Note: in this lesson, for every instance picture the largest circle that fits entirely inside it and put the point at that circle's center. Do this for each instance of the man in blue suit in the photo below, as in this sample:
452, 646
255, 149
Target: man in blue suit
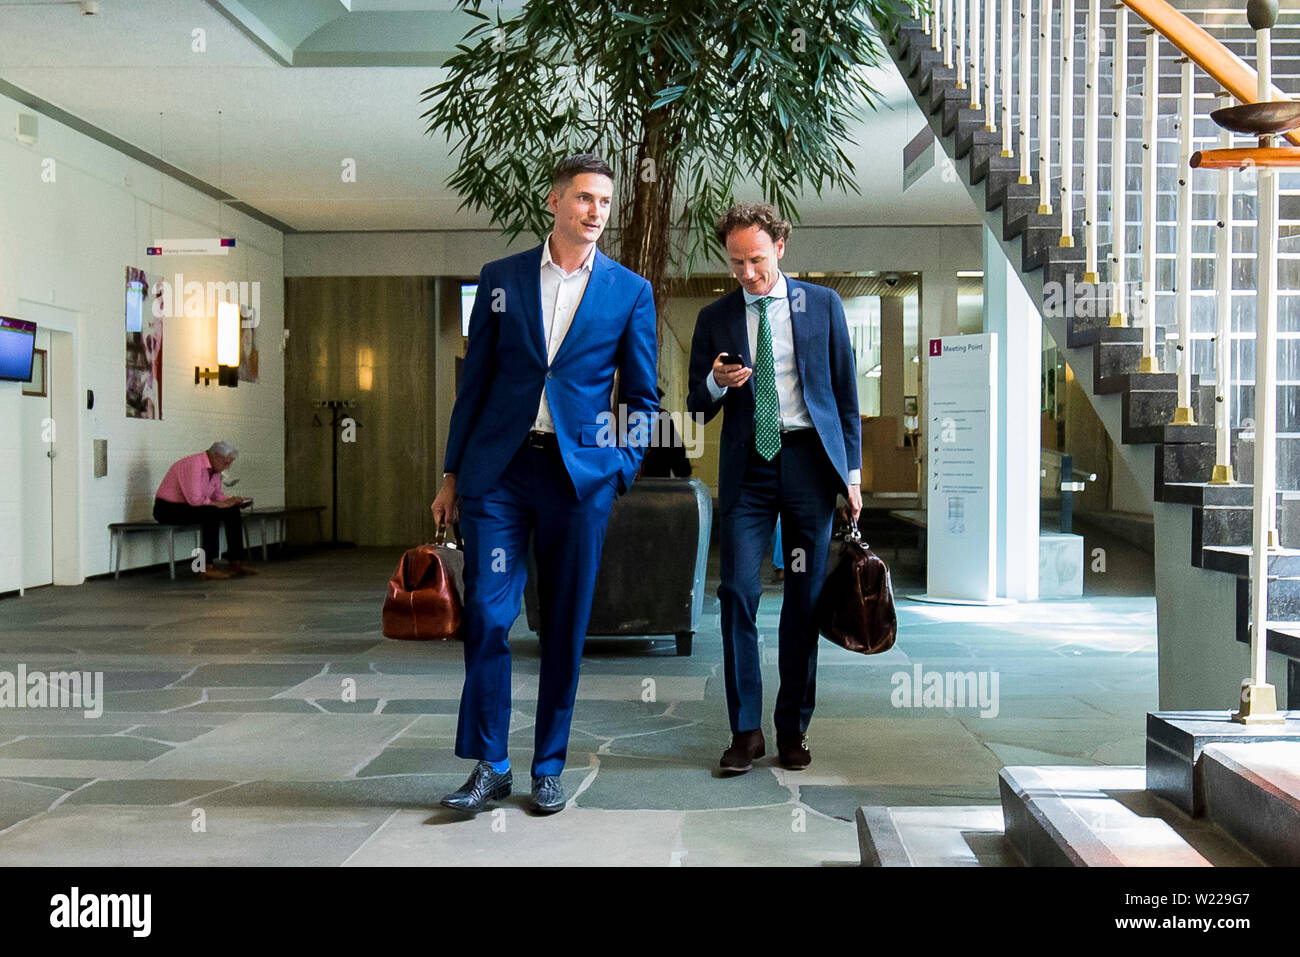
791, 442
531, 451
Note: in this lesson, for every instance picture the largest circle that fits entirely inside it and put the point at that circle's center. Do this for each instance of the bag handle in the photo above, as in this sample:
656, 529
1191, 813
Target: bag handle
440, 537
849, 532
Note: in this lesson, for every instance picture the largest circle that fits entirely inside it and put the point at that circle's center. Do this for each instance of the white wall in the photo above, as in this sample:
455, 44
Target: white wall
64, 249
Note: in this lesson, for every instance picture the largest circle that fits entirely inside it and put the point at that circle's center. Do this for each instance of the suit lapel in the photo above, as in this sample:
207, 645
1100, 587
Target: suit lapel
799, 324
530, 283
737, 325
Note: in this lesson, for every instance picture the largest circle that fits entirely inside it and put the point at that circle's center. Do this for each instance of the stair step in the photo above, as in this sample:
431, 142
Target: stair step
1104, 817
1214, 525
1202, 494
1235, 559
1176, 464
1119, 382
1252, 792
967, 836
999, 179
1020, 208
971, 132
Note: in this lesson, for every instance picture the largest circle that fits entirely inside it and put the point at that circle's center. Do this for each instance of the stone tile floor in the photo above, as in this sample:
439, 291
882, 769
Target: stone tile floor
227, 736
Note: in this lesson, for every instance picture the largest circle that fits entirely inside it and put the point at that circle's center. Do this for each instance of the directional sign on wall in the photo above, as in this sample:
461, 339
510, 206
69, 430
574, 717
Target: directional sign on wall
191, 247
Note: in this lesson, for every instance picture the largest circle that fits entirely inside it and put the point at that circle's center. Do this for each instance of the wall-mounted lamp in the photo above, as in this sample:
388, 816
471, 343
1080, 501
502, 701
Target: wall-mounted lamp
227, 348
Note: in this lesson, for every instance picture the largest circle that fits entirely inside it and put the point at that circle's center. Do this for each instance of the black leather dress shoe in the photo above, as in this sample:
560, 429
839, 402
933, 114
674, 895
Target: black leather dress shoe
548, 794
483, 785
792, 750
746, 748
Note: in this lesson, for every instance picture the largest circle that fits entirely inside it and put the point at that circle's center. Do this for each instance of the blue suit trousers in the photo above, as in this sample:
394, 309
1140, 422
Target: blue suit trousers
800, 485
533, 498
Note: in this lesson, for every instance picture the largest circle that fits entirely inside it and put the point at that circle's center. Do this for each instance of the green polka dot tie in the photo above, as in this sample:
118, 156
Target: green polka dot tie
767, 407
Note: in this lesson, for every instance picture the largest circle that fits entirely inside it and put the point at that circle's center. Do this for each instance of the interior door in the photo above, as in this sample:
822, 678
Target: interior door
39, 433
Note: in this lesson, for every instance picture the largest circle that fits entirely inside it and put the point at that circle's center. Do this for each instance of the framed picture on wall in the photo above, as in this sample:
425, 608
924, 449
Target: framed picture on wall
910, 406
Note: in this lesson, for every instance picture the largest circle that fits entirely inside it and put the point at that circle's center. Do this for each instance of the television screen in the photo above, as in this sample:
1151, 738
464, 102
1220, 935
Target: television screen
468, 291
17, 343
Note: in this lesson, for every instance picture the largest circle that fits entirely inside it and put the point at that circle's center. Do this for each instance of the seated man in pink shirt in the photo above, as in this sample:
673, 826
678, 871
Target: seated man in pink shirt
190, 494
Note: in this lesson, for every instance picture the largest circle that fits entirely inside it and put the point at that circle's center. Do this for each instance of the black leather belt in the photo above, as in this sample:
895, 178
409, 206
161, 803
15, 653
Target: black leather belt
791, 436
542, 440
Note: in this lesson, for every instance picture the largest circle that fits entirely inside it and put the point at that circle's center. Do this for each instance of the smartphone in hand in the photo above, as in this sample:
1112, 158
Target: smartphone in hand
732, 359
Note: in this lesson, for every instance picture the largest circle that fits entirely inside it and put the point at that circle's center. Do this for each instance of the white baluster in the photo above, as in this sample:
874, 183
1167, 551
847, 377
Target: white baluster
1183, 414
960, 38
1022, 94
975, 54
1151, 84
1258, 697
1067, 123
1118, 169
1223, 320
1006, 77
1091, 107
936, 33
947, 33
1045, 107
990, 69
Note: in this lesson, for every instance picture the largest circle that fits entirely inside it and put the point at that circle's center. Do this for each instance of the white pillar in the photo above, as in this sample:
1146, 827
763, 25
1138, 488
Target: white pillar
1011, 313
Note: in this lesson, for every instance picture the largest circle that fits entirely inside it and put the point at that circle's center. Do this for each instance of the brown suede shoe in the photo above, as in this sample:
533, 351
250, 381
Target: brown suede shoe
792, 751
239, 569
214, 574
746, 747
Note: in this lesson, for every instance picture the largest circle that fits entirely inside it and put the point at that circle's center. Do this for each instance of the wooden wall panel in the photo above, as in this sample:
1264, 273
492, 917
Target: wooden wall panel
370, 339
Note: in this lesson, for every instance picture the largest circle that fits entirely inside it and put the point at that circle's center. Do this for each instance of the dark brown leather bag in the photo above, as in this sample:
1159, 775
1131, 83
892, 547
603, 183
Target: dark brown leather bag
424, 600
856, 607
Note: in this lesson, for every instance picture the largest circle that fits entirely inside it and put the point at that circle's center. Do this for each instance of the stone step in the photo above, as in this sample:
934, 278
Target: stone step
1252, 792
1116, 355
1235, 559
1219, 525
1202, 493
1020, 210
1176, 741
1180, 464
966, 836
1102, 816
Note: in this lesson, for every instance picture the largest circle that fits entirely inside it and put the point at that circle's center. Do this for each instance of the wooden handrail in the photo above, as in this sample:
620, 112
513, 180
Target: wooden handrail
1275, 157
1227, 69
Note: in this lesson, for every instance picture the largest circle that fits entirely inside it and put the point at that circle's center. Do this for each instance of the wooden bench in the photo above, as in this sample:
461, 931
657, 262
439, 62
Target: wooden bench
280, 515
119, 529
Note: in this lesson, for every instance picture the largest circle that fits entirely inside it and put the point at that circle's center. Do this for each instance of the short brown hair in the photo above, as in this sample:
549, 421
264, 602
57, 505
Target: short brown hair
571, 166
744, 215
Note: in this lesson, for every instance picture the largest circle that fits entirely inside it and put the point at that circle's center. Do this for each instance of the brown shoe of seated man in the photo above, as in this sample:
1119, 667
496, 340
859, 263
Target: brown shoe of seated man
239, 569
214, 574
746, 747
792, 750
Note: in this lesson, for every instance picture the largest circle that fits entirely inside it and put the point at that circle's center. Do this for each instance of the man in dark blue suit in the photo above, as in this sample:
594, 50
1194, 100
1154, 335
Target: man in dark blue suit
533, 450
791, 442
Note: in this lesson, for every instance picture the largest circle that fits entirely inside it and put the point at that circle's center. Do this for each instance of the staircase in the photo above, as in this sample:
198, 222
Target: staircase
1138, 407
1243, 795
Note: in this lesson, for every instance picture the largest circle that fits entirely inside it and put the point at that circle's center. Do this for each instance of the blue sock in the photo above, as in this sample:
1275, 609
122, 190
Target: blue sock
500, 767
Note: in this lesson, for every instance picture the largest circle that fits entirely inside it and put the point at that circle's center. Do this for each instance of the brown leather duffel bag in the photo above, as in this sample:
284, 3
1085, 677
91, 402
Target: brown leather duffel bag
856, 606
424, 601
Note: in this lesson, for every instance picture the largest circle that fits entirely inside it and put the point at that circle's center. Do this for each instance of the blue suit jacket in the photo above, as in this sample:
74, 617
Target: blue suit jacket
824, 356
505, 371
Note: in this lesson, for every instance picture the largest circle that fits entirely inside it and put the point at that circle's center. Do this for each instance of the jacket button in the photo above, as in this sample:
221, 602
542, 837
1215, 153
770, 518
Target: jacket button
550, 375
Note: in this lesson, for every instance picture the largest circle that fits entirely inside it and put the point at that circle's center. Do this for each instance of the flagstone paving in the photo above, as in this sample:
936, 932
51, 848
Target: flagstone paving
266, 720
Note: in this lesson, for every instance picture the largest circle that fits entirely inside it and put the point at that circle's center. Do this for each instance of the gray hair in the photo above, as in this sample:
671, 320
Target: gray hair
224, 449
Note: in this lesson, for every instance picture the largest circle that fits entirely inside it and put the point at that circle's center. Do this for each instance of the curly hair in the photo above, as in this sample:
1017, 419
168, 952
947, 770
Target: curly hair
744, 215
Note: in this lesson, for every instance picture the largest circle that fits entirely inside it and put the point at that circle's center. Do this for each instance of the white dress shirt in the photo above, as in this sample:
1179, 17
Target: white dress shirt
561, 294
789, 390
